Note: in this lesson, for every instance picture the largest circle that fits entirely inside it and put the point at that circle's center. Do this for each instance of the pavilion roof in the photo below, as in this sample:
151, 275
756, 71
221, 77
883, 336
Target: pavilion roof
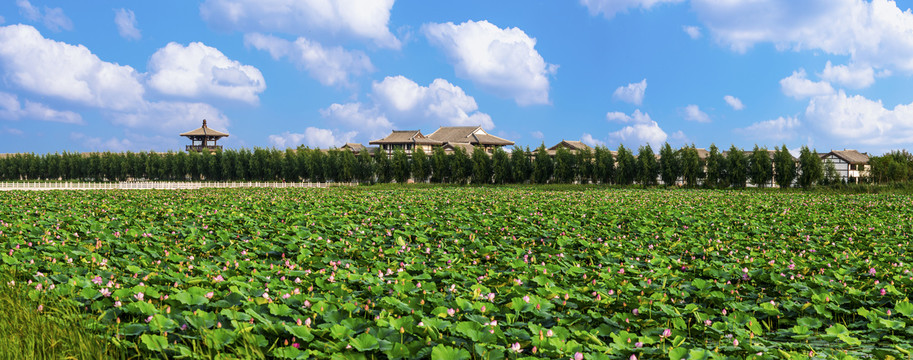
204, 131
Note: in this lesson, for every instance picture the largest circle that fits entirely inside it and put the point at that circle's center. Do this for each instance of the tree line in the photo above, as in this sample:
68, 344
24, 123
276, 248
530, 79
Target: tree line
733, 168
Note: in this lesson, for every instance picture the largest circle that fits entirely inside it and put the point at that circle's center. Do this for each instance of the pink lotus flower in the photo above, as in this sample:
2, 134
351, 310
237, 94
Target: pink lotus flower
451, 312
139, 296
666, 333
578, 356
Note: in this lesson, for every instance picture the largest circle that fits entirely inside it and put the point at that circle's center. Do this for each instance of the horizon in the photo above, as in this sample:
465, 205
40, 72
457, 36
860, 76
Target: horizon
90, 77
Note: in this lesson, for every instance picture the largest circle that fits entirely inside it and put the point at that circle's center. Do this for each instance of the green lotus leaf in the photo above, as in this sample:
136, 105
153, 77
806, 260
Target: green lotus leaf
154, 343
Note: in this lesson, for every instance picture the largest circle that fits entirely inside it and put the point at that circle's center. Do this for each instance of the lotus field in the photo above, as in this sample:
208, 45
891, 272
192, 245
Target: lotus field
473, 273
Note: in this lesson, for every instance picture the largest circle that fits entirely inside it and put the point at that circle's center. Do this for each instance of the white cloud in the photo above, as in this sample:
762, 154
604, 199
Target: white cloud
781, 128
853, 76
12, 131
609, 8
679, 136
12, 109
590, 140
537, 134
312, 137
355, 115
734, 102
441, 102
70, 72
636, 117
172, 117
872, 33
130, 141
53, 18
126, 24
856, 119
197, 71
694, 113
799, 87
366, 19
642, 129
693, 31
632, 93
641, 134
330, 66
99, 144
502, 61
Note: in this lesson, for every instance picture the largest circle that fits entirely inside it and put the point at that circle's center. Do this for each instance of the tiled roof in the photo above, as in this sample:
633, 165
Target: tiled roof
850, 156
405, 137
571, 145
467, 134
204, 131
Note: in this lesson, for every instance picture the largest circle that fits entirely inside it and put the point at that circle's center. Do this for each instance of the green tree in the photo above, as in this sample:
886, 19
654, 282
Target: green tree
647, 167
810, 169
669, 165
481, 166
761, 166
737, 164
348, 165
542, 166
317, 165
831, 176
460, 166
565, 165
331, 165
626, 169
692, 169
603, 165
383, 167
716, 168
521, 165
303, 159
365, 167
585, 166
440, 165
402, 170
420, 165
500, 166
784, 167
290, 165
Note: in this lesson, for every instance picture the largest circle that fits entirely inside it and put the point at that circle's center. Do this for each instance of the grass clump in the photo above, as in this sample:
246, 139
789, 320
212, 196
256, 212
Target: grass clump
34, 326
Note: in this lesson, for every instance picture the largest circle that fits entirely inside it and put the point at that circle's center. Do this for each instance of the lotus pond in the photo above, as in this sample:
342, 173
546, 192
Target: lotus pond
480, 273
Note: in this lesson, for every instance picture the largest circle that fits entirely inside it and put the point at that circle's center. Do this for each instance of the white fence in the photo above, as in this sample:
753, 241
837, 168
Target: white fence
164, 185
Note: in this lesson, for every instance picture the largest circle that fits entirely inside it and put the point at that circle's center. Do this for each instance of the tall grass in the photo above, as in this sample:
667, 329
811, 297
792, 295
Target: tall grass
38, 326
57, 331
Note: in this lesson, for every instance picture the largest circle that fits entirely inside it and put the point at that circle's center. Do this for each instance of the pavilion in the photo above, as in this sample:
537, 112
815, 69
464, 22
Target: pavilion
204, 138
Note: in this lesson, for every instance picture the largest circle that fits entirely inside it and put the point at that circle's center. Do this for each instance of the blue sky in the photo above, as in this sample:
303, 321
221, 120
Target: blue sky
131, 75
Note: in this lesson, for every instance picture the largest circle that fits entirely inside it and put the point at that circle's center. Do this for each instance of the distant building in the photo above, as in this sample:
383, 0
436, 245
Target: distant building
449, 137
406, 140
851, 165
204, 138
358, 148
570, 145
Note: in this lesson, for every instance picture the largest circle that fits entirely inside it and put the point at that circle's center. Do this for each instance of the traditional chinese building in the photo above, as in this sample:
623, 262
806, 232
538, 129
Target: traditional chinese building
204, 138
450, 137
